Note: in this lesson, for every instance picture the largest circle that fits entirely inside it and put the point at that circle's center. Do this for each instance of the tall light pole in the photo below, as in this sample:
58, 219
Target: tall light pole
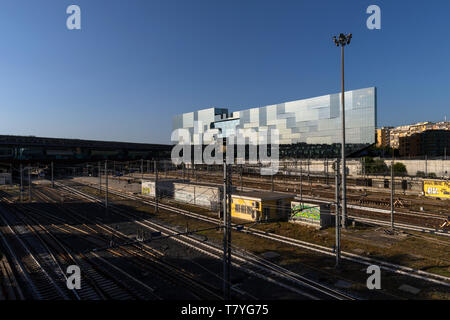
337, 223
156, 186
392, 192
342, 41
226, 223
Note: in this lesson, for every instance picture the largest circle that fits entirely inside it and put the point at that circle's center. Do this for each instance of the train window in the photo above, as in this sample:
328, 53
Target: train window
249, 210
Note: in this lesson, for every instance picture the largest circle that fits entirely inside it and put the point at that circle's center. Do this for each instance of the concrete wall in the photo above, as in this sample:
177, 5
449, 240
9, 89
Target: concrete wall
440, 167
318, 166
114, 183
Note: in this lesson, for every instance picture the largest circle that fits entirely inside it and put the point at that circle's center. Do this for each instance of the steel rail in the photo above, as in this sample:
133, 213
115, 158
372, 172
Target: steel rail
442, 280
217, 253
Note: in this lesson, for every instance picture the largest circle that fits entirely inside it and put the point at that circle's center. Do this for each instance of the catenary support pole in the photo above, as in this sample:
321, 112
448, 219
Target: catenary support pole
242, 185
156, 186
271, 182
183, 171
29, 182
309, 177
21, 183
100, 177
106, 184
53, 182
301, 181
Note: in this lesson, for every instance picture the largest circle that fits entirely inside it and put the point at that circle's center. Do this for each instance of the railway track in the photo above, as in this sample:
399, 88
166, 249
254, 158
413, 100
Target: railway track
98, 282
37, 267
253, 265
408, 220
374, 200
149, 261
426, 223
102, 279
437, 279
9, 287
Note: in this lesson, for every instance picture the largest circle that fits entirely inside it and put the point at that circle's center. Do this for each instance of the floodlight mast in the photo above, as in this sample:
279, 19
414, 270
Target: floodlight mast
342, 41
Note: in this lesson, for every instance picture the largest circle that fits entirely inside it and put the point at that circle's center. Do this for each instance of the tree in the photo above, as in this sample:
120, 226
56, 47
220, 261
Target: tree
374, 166
400, 168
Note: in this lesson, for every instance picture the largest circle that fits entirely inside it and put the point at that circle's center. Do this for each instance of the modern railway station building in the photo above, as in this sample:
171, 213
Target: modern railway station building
307, 128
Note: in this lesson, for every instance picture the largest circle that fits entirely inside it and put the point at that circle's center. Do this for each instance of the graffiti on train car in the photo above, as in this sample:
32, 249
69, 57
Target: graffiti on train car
305, 210
436, 188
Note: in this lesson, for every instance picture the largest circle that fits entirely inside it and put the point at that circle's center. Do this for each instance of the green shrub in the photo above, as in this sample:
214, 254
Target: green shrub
374, 166
400, 168
420, 174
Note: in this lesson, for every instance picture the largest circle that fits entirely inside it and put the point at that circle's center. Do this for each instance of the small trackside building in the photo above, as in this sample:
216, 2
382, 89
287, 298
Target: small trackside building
260, 205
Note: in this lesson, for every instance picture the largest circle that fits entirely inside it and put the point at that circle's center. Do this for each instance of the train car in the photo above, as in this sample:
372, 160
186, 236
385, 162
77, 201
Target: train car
203, 195
260, 205
436, 189
314, 215
165, 188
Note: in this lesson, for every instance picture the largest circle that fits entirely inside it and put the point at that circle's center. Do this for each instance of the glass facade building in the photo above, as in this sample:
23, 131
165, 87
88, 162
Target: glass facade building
306, 127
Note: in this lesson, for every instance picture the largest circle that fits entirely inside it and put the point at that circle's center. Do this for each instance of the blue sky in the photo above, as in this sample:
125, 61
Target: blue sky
136, 63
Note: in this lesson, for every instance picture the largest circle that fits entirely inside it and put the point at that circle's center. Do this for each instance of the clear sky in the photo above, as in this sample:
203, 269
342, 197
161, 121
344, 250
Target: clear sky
136, 63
